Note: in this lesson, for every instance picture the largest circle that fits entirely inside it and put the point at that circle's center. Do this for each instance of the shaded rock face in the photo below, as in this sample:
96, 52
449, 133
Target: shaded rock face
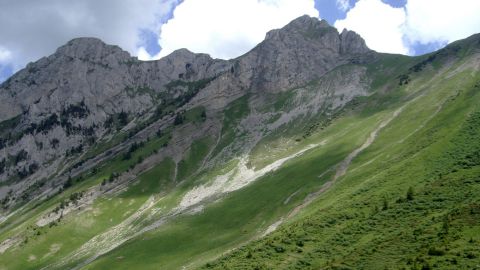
352, 43
56, 108
88, 69
60, 104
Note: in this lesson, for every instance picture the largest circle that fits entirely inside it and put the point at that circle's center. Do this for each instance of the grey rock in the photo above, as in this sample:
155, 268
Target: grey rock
302, 51
63, 101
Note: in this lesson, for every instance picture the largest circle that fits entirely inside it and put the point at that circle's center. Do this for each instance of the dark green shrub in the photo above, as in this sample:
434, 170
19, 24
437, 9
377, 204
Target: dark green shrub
436, 252
178, 119
384, 204
410, 194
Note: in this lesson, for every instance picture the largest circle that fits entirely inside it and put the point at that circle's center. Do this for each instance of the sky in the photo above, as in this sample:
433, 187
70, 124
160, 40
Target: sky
151, 29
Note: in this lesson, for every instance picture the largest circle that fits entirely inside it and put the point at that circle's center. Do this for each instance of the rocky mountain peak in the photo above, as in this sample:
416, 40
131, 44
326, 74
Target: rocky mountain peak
93, 49
319, 31
304, 25
184, 60
181, 53
306, 22
301, 51
352, 43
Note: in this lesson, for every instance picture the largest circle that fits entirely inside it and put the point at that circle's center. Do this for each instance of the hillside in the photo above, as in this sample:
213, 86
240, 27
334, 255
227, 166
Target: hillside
310, 151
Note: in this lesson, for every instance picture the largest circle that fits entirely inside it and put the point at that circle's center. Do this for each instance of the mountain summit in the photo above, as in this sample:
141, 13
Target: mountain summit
320, 32
303, 50
91, 49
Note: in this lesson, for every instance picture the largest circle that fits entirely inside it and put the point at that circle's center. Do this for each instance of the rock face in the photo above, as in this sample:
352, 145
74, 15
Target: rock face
88, 69
56, 108
303, 50
61, 103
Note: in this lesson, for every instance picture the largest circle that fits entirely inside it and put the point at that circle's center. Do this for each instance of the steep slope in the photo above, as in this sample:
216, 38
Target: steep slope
61, 106
298, 154
65, 109
410, 199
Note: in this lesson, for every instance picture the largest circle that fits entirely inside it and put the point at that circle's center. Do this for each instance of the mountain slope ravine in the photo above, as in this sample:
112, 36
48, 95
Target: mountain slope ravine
341, 168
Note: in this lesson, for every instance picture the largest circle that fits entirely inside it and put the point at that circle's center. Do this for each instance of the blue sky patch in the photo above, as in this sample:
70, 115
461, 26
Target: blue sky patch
330, 11
395, 3
420, 48
149, 38
149, 41
6, 71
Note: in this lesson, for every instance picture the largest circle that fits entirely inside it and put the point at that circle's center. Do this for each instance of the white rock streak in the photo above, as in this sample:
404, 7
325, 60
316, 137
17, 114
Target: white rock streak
235, 179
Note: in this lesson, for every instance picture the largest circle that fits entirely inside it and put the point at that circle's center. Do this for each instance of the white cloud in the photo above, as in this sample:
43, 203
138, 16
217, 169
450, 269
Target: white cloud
398, 30
222, 28
441, 20
227, 28
378, 23
142, 54
32, 29
5, 54
343, 5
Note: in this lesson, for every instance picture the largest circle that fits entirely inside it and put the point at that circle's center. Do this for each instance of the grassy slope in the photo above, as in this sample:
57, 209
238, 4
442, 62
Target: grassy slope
73, 231
367, 221
102, 172
103, 214
245, 214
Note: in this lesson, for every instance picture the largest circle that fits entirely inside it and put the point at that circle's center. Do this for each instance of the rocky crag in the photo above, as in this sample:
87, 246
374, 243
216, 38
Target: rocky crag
58, 108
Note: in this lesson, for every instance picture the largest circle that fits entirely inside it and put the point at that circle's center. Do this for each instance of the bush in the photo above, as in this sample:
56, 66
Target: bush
436, 252
75, 110
20, 156
2, 166
426, 266
158, 111
133, 147
47, 124
22, 173
384, 204
68, 183
32, 168
410, 194
178, 119
74, 197
403, 79
112, 177
123, 118
127, 155
471, 255
54, 143
74, 150
109, 122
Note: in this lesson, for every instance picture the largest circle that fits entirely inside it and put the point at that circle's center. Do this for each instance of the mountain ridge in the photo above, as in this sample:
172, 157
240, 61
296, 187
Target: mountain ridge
107, 81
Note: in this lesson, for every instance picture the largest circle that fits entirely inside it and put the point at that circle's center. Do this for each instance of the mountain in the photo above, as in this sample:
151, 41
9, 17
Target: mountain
309, 151
58, 107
